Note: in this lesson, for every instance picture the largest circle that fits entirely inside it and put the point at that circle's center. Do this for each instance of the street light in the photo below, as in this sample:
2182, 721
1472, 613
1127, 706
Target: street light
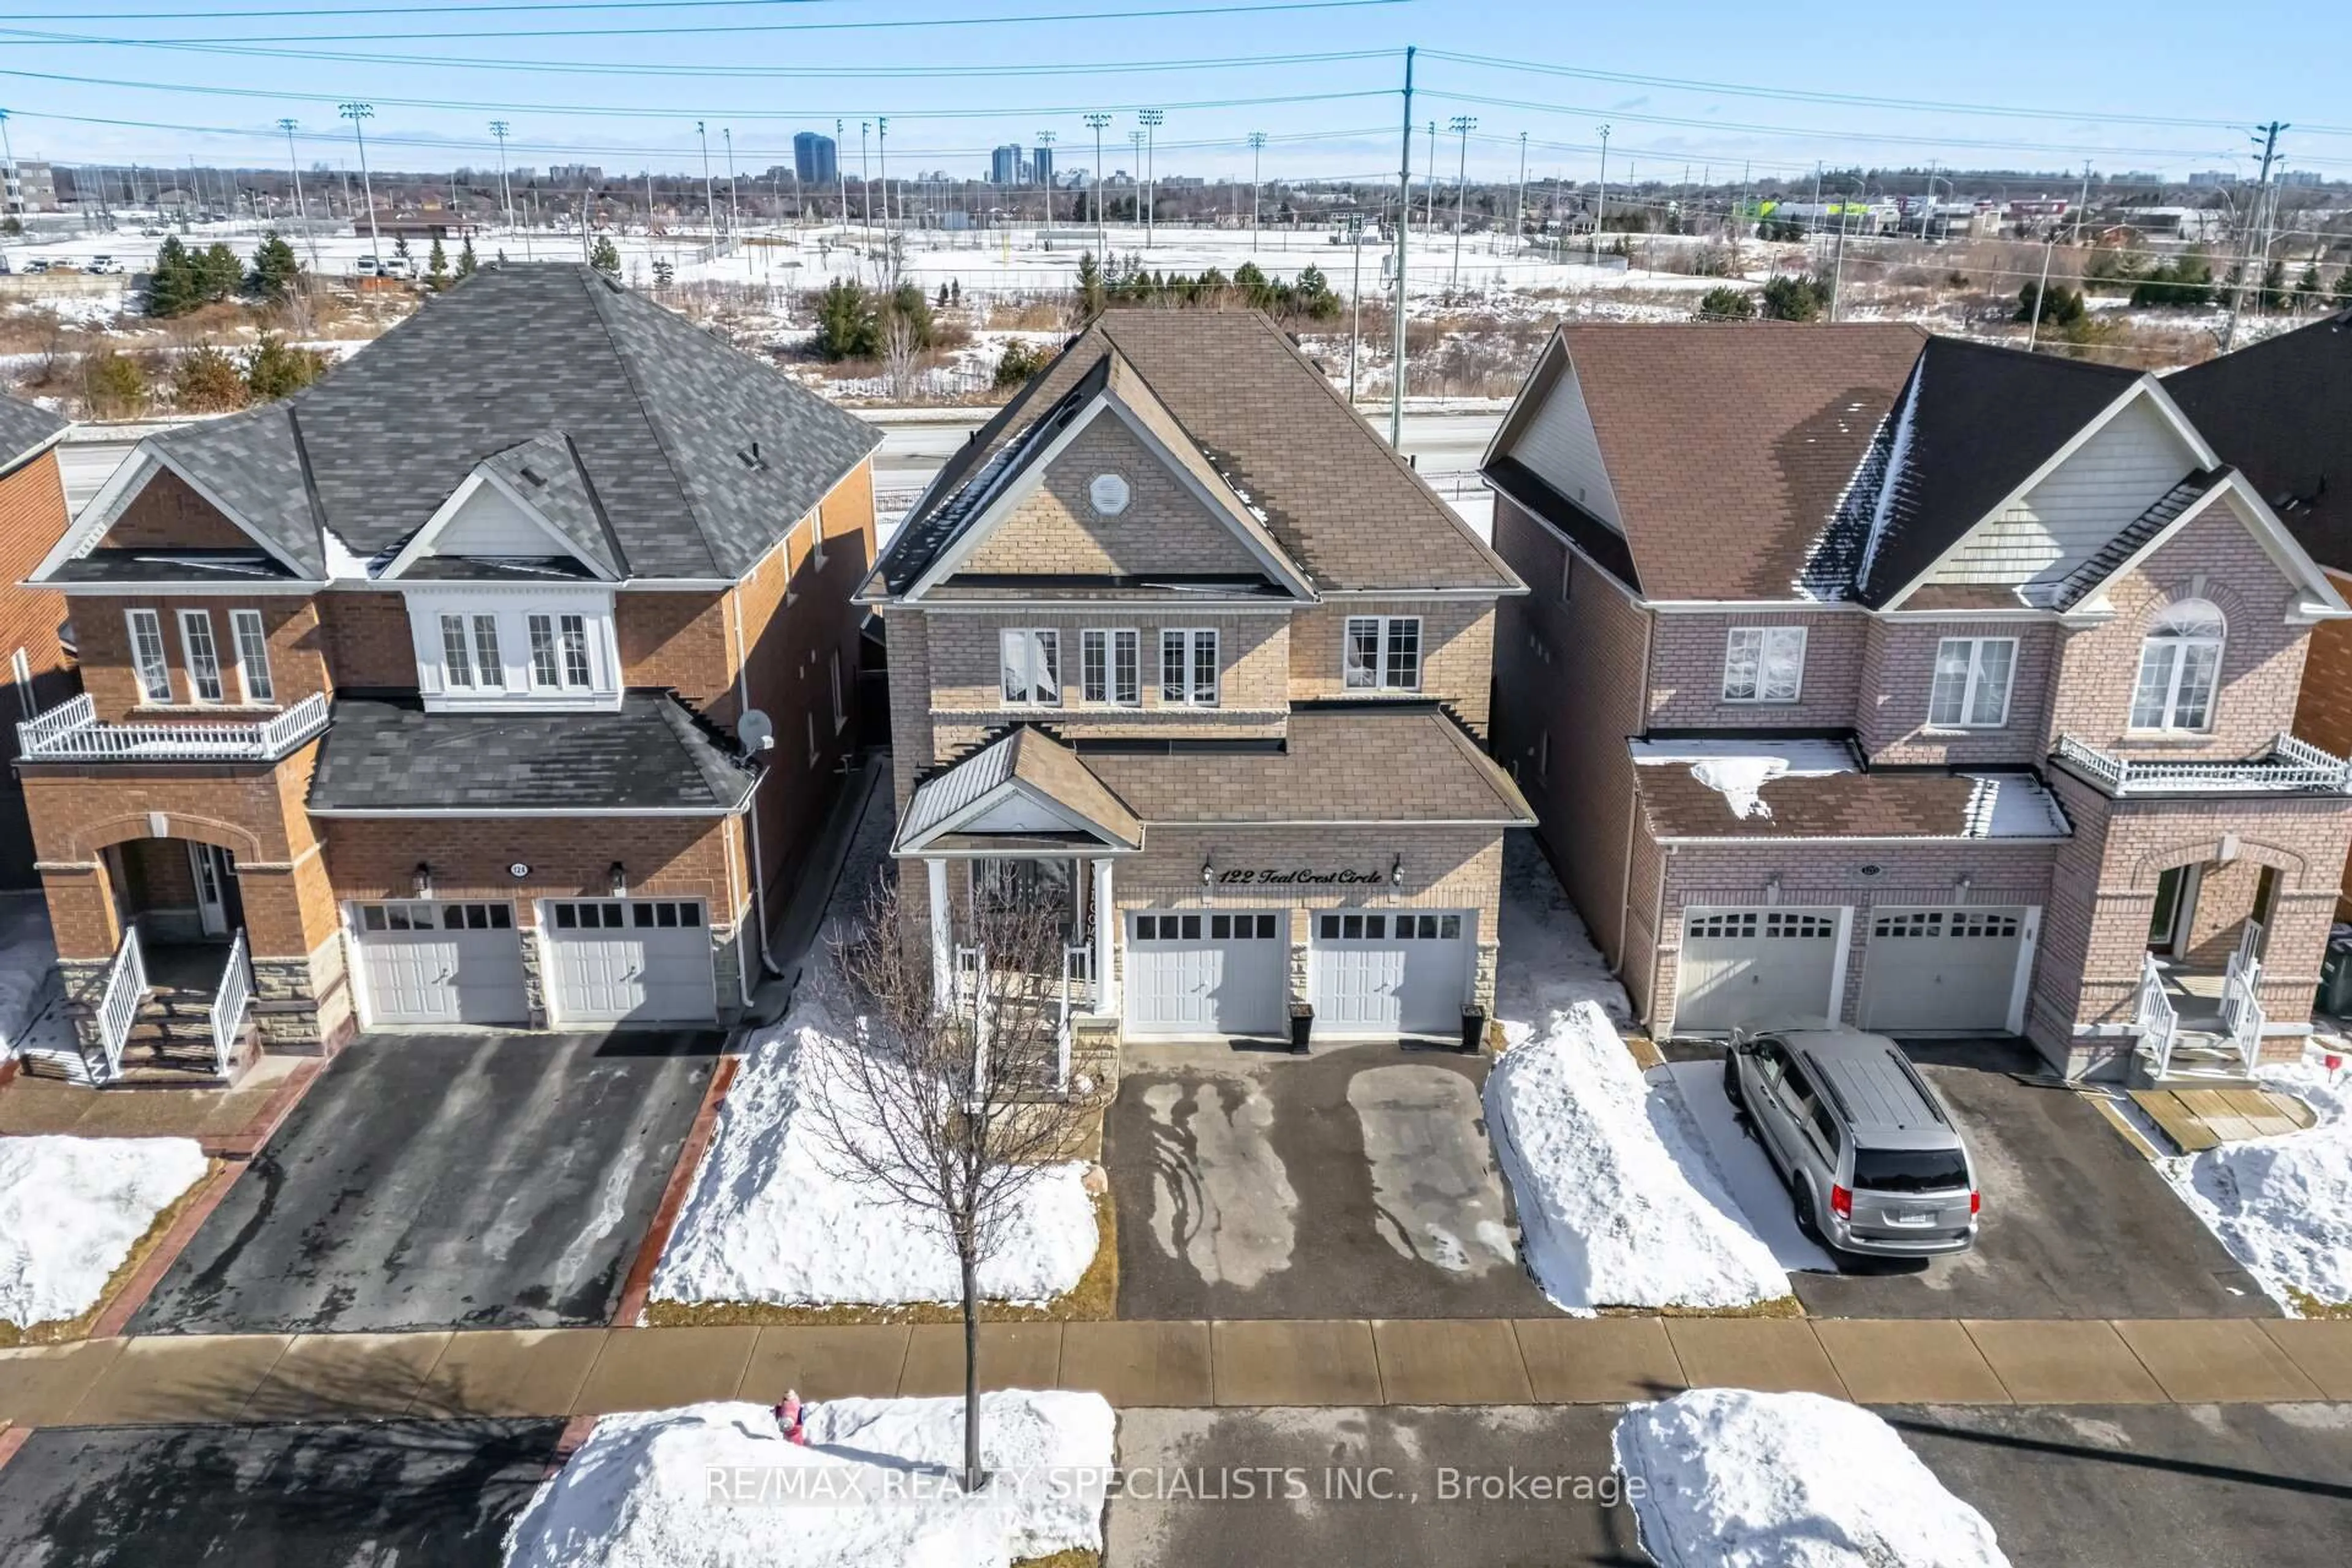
1463, 125
1152, 119
294, 163
1600, 204
357, 114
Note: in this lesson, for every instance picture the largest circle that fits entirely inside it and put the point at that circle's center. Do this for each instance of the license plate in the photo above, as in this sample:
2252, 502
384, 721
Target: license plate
1913, 1216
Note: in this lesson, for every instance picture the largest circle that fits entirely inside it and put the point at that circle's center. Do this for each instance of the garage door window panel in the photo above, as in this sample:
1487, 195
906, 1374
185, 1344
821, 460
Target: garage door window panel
1764, 664
1971, 684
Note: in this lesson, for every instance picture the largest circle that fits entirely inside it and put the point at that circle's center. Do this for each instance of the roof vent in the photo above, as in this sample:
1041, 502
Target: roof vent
750, 457
533, 475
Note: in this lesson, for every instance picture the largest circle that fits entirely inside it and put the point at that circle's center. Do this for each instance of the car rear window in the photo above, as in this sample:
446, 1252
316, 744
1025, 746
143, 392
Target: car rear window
1910, 1170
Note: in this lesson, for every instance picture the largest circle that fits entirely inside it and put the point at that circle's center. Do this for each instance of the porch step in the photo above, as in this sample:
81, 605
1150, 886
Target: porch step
2199, 1060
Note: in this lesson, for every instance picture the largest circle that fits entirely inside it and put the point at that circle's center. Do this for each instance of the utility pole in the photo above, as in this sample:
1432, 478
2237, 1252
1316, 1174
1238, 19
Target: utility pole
2081, 205
1463, 125
357, 114
882, 155
1519, 203
1135, 140
866, 180
1256, 146
710, 197
1404, 213
1601, 202
1045, 139
1430, 207
294, 163
1927, 202
1837, 267
1746, 204
2268, 136
505, 191
734, 192
1151, 119
1355, 297
7, 166
1095, 122
2041, 290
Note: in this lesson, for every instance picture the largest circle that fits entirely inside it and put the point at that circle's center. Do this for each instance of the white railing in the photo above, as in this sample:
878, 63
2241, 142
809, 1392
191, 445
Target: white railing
230, 1001
119, 1004
71, 733
972, 983
1077, 978
2159, 1023
2241, 1006
2290, 764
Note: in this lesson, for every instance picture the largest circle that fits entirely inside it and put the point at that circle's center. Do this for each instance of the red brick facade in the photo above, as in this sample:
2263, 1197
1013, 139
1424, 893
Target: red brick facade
32, 521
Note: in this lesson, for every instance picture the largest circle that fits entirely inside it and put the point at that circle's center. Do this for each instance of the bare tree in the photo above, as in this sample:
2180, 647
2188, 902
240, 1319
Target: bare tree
954, 1106
902, 353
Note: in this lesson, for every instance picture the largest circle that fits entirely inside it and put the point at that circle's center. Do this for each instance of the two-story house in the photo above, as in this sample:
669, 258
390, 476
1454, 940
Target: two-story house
1917, 684
1178, 640
32, 620
500, 678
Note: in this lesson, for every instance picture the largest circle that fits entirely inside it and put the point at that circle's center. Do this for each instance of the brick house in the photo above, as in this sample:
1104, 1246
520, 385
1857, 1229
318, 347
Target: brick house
2282, 411
40, 675
1922, 685
430, 692
1178, 640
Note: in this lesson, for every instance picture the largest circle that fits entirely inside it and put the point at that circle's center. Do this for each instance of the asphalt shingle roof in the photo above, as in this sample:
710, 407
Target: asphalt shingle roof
391, 756
2281, 410
23, 427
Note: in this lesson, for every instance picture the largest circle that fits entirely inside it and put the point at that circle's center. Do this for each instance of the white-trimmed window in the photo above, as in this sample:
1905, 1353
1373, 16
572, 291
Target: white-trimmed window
1764, 664
513, 650
203, 655
1110, 660
1971, 685
1382, 653
147, 655
1030, 659
252, 656
1188, 666
2180, 665
559, 653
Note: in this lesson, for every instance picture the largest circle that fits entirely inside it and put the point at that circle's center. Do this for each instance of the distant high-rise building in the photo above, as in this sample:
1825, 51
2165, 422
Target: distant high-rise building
2207, 177
2301, 177
1004, 165
815, 159
1042, 162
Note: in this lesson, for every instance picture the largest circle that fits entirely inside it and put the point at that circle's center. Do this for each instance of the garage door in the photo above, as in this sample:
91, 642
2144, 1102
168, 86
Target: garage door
1941, 969
441, 963
1751, 966
1392, 973
1202, 973
638, 961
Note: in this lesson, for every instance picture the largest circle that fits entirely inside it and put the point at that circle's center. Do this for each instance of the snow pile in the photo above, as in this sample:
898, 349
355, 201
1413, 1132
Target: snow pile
70, 1211
874, 1487
2283, 1206
1618, 1205
1549, 962
1740, 780
779, 1215
1737, 1480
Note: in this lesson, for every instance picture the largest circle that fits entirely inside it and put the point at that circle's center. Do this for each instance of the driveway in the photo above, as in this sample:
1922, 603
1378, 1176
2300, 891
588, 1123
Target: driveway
377, 1494
476, 1180
1358, 1182
2075, 1223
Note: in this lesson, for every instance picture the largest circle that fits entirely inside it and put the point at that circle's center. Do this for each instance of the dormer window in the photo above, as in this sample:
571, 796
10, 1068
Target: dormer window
514, 648
2180, 664
559, 653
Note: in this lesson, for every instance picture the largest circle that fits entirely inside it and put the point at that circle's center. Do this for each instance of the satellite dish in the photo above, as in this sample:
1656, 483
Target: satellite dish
755, 731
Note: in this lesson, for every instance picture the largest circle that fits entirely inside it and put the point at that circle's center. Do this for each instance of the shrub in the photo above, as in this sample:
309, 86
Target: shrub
1795, 298
1019, 362
1727, 305
274, 370
113, 386
207, 381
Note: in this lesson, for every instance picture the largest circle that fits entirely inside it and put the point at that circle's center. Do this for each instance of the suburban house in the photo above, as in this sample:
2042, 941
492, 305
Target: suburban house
1923, 685
2281, 410
1179, 643
497, 679
32, 620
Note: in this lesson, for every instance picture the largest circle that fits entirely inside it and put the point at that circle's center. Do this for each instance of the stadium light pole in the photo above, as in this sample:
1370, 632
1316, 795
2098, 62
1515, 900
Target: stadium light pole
882, 156
734, 191
1256, 146
1404, 216
1045, 139
294, 165
1463, 125
1151, 119
356, 113
1095, 123
710, 197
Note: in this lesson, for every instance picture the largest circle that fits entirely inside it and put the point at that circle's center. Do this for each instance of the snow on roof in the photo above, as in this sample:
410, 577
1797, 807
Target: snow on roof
1738, 770
2014, 805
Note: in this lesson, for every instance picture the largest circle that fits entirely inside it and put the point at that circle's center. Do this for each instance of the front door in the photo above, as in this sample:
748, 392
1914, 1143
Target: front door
2176, 906
208, 864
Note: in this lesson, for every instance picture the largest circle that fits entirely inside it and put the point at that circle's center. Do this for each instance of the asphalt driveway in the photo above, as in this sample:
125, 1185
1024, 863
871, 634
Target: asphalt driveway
476, 1180
358, 1495
1358, 1182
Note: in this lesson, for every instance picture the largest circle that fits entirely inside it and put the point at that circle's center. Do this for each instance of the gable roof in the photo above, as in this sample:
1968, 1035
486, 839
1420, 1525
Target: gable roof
1024, 763
25, 428
543, 476
694, 459
2281, 410
1255, 412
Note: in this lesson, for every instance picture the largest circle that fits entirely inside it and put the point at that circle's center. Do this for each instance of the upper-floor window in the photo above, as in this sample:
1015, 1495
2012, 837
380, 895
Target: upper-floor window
1764, 664
2179, 664
202, 655
559, 653
147, 655
252, 656
1188, 667
1112, 666
1032, 663
471, 661
1971, 684
503, 649
1382, 653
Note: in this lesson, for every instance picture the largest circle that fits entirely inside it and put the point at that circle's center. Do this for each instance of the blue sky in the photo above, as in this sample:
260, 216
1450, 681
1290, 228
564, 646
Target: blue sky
621, 85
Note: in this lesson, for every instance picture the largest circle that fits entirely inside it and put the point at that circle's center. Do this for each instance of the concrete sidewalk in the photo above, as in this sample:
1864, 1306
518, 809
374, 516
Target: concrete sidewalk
1336, 1362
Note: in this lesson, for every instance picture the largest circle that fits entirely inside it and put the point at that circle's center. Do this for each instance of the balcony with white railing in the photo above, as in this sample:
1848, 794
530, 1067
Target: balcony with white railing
2288, 766
71, 733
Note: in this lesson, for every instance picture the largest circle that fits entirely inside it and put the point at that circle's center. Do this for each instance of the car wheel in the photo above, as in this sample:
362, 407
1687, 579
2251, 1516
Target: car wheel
1731, 1082
1806, 1220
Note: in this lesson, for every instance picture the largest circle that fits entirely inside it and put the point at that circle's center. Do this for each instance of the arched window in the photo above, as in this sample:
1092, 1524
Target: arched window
2179, 666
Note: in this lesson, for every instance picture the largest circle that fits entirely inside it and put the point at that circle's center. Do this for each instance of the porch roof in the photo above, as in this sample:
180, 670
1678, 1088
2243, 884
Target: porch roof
1747, 792
1020, 788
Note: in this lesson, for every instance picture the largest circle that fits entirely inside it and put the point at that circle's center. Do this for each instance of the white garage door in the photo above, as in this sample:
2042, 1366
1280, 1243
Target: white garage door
1203, 973
1392, 973
637, 960
1942, 969
441, 963
1752, 967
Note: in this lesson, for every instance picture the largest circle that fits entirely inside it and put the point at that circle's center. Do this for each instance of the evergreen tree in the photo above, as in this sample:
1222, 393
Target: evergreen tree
2344, 286
1727, 304
219, 273
2273, 295
172, 286
909, 305
2061, 307
1787, 298
1018, 364
112, 384
274, 370
275, 270
665, 273
847, 325
207, 381
2308, 287
605, 256
1313, 297
466, 264
400, 246
1091, 294
437, 265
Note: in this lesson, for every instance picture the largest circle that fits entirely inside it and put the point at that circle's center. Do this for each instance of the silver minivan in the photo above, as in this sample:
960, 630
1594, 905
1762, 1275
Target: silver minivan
1866, 1145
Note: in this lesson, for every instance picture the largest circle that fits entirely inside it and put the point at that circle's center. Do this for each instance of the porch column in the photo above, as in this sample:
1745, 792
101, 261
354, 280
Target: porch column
943, 935
1106, 921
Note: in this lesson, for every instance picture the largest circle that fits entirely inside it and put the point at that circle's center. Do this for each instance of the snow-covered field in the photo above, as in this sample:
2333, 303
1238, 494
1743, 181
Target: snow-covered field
1731, 1478
2283, 1206
873, 1486
777, 1215
70, 1211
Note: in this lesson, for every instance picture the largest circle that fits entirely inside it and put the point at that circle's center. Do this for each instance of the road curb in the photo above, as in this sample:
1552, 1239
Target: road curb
640, 1280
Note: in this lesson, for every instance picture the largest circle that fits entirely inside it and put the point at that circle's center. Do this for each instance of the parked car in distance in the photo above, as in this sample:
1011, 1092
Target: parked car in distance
1869, 1152
104, 264
152, 233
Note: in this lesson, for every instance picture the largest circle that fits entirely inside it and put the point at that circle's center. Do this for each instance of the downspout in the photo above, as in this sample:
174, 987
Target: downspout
742, 973
1633, 810
751, 816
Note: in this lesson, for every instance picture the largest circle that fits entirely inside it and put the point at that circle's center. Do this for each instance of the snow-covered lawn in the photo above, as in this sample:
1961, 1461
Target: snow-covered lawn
1731, 1478
70, 1211
2283, 1206
872, 1487
778, 1217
